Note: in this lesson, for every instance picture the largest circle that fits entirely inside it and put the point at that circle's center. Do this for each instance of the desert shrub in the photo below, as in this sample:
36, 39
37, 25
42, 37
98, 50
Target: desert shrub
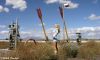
67, 51
89, 50
72, 50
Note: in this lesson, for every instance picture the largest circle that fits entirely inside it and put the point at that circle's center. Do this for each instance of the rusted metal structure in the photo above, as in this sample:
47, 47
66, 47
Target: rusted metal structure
14, 35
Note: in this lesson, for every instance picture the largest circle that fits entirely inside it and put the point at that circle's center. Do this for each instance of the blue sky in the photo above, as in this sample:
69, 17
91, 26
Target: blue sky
82, 16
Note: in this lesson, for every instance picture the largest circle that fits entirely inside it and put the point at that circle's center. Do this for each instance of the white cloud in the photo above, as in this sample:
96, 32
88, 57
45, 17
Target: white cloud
88, 32
2, 26
86, 29
25, 32
17, 4
51, 1
94, 17
3, 9
31, 34
55, 1
70, 3
91, 34
6, 9
4, 32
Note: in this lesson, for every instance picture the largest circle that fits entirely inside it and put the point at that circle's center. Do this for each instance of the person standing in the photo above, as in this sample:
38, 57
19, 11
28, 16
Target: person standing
56, 32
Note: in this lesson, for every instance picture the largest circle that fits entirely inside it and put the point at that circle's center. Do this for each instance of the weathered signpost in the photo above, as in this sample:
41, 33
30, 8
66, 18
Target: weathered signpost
39, 12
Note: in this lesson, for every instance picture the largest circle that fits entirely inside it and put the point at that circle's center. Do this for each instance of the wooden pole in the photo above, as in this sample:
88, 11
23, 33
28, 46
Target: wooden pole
63, 32
44, 31
65, 27
16, 34
40, 16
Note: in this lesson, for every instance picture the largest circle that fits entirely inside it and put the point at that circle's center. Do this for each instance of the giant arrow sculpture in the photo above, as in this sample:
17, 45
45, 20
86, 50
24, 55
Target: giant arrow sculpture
39, 12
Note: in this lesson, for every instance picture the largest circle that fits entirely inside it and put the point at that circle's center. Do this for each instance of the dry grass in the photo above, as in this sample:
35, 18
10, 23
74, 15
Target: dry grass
34, 52
89, 50
4, 45
44, 51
